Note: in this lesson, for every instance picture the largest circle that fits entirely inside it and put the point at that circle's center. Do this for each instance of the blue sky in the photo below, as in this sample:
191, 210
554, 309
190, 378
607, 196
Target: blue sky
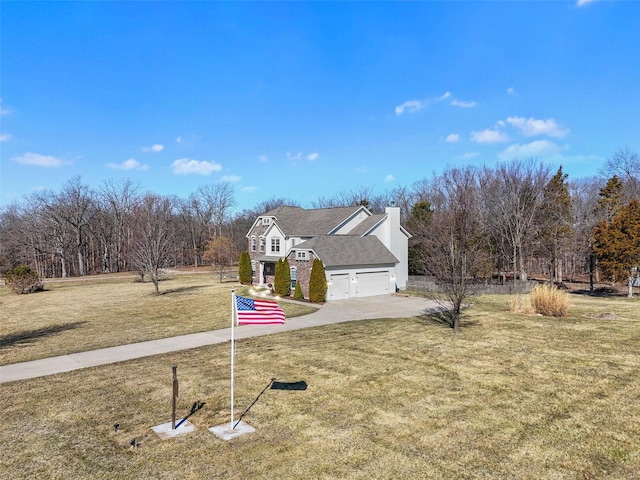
305, 99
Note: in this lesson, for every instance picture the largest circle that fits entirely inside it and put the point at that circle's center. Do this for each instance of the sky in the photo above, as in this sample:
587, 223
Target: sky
303, 100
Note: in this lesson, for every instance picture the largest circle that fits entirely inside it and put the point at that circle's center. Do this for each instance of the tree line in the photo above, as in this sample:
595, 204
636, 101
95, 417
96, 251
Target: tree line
509, 220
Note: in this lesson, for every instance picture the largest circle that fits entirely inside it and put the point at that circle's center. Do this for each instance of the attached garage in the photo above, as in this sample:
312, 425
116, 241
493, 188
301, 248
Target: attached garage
338, 286
354, 266
372, 283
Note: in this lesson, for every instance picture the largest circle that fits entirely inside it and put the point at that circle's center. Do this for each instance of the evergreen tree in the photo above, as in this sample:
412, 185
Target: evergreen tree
610, 199
245, 272
317, 282
617, 244
282, 278
419, 225
297, 293
555, 222
286, 280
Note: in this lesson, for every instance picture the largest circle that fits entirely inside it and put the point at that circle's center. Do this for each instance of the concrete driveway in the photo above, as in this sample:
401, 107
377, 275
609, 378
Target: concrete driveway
384, 306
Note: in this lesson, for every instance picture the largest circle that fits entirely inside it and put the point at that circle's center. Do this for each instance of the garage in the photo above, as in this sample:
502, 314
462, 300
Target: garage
339, 286
372, 283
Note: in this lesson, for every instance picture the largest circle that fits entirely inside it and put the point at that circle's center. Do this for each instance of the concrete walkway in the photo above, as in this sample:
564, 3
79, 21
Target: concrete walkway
385, 306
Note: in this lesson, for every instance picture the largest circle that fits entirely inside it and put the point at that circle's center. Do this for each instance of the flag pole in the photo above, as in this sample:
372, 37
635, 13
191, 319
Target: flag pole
233, 350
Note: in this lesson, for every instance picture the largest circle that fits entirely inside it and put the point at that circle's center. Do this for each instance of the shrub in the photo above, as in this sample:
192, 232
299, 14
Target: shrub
317, 283
245, 272
297, 293
278, 278
23, 279
549, 301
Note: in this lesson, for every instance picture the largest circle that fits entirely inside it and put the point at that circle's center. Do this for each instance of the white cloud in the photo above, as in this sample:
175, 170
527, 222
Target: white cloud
230, 178
410, 106
389, 178
154, 148
5, 137
489, 136
582, 3
249, 189
444, 96
187, 166
41, 160
262, 158
313, 156
538, 148
511, 91
532, 127
179, 140
452, 138
293, 158
462, 104
131, 164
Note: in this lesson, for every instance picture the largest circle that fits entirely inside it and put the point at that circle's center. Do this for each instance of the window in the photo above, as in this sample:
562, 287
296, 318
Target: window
293, 242
301, 255
253, 244
266, 221
253, 268
262, 245
294, 277
275, 245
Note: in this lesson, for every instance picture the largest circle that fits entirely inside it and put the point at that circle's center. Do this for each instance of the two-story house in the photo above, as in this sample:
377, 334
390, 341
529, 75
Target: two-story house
363, 254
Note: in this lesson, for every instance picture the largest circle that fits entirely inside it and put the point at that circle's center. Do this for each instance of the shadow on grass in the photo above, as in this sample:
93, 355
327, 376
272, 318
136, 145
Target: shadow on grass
41, 333
445, 317
173, 291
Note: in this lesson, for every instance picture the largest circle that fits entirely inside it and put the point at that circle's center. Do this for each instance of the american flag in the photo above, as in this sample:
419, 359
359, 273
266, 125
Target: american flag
258, 311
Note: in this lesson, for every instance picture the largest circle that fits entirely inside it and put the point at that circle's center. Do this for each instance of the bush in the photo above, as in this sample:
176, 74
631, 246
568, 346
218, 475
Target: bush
245, 272
282, 278
297, 293
22, 279
317, 283
547, 300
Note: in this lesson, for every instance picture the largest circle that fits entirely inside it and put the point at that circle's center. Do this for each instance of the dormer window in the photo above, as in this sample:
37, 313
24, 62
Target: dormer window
266, 221
301, 255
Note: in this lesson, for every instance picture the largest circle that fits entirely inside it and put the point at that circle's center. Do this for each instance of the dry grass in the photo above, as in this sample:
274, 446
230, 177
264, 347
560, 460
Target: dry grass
74, 316
549, 301
510, 397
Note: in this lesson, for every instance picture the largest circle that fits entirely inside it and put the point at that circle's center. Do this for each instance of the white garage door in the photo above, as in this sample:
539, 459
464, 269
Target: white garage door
339, 287
372, 283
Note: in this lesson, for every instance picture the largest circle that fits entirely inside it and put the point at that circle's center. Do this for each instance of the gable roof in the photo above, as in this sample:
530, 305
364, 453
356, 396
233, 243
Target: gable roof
348, 250
296, 221
366, 225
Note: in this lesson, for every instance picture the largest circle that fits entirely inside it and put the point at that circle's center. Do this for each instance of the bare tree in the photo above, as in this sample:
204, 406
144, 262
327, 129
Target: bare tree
510, 197
120, 197
221, 253
217, 201
360, 196
72, 208
584, 201
455, 248
625, 164
153, 244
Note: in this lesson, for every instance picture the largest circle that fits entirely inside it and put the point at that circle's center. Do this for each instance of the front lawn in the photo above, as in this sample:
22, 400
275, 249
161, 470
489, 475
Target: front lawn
511, 396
